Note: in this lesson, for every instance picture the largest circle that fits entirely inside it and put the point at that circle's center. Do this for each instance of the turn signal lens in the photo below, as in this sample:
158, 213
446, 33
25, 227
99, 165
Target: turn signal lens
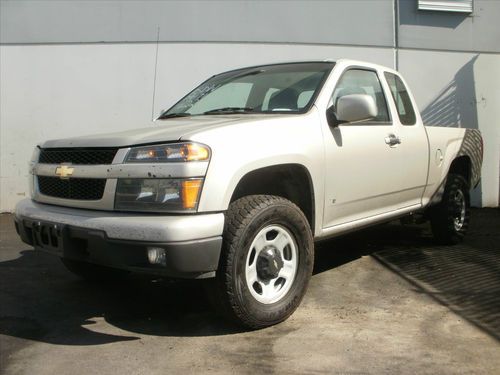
190, 193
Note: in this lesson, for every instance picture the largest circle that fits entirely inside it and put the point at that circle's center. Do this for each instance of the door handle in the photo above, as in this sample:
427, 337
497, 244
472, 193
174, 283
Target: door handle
392, 140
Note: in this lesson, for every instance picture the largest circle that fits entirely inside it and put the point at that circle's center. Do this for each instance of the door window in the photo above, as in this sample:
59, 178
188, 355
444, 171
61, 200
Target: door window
358, 81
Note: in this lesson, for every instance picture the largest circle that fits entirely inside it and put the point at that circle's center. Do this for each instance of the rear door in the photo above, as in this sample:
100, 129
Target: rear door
412, 154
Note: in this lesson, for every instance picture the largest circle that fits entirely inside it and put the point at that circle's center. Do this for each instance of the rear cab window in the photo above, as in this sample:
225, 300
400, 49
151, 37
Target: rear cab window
401, 99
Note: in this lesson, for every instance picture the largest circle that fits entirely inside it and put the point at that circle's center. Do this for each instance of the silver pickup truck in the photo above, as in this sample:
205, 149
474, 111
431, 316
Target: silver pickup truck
237, 180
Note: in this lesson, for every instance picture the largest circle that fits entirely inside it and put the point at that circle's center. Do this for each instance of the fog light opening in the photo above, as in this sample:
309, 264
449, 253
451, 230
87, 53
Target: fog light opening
157, 255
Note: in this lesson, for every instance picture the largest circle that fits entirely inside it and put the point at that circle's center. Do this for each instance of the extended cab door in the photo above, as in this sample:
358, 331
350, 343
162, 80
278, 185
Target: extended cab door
373, 167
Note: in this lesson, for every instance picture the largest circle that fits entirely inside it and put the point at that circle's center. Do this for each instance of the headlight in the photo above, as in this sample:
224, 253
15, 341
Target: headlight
174, 152
160, 195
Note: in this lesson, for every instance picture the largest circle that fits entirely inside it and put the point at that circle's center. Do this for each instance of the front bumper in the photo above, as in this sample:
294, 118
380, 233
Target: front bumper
192, 243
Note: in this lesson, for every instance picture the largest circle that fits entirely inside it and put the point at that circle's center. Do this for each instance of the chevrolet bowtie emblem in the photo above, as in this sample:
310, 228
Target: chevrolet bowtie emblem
64, 171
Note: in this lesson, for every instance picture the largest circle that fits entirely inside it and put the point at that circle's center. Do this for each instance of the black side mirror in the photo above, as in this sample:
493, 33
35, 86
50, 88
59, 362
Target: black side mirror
331, 117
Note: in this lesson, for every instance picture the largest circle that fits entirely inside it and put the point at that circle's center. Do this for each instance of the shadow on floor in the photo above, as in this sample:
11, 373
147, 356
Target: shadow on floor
465, 278
44, 302
40, 300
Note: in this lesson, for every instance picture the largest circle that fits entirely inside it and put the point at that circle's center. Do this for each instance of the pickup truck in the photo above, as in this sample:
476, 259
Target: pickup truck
238, 179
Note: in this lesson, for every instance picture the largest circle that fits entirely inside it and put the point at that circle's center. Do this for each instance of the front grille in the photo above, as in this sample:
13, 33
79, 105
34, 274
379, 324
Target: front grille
74, 188
77, 155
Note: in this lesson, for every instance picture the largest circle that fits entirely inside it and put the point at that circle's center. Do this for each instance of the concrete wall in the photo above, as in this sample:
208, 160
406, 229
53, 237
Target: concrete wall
450, 31
55, 91
461, 89
180, 21
452, 62
79, 67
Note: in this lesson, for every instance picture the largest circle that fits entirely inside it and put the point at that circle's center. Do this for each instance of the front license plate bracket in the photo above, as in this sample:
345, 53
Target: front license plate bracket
48, 236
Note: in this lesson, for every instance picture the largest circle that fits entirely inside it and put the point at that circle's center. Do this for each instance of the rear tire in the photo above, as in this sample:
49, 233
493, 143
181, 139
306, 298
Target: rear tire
266, 261
93, 272
450, 218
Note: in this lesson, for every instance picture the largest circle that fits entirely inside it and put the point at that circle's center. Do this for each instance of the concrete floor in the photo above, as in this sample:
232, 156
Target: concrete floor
384, 300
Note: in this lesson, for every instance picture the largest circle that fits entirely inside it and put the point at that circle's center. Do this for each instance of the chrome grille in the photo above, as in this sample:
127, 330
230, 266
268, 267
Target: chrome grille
74, 188
89, 156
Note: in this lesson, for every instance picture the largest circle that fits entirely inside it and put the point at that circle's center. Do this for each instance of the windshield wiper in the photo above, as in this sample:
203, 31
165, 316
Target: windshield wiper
172, 115
228, 110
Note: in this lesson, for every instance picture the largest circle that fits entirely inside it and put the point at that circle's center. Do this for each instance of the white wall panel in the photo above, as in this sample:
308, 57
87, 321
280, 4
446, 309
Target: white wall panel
64, 90
181, 67
477, 31
361, 22
461, 89
55, 91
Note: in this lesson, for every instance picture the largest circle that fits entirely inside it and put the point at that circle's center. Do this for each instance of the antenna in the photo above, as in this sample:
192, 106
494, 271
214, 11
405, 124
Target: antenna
154, 81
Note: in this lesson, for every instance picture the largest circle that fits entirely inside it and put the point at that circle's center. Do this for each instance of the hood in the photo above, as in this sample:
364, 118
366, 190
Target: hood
158, 131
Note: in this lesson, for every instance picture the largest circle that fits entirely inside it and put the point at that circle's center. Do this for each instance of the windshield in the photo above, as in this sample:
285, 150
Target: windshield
284, 88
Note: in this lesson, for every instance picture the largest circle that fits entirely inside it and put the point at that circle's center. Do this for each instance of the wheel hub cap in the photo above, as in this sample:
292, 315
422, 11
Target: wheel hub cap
269, 263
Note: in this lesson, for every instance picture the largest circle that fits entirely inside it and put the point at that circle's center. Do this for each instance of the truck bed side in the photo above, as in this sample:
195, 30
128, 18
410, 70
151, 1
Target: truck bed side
446, 147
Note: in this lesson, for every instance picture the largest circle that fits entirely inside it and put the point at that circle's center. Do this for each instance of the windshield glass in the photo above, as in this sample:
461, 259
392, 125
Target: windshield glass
284, 88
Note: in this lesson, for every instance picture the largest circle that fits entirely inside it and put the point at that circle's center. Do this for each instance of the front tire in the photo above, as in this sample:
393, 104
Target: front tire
266, 261
450, 218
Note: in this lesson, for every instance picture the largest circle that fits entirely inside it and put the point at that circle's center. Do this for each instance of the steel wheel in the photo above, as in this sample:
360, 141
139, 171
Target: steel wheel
271, 264
450, 218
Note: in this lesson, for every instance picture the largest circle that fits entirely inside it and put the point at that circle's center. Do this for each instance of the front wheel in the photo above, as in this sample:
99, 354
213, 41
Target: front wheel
266, 260
450, 218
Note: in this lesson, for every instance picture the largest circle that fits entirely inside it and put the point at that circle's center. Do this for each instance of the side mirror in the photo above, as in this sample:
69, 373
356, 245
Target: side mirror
355, 107
331, 117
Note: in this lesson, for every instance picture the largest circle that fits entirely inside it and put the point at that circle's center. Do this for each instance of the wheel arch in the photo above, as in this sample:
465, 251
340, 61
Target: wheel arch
462, 165
291, 181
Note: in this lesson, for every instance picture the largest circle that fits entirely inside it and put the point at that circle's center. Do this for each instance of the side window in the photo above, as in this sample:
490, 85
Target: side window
401, 99
357, 81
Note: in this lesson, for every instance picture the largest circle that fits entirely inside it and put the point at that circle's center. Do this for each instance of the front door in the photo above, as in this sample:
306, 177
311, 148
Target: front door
364, 161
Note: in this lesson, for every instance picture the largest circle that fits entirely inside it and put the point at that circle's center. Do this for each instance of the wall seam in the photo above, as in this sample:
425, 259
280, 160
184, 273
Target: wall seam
399, 47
